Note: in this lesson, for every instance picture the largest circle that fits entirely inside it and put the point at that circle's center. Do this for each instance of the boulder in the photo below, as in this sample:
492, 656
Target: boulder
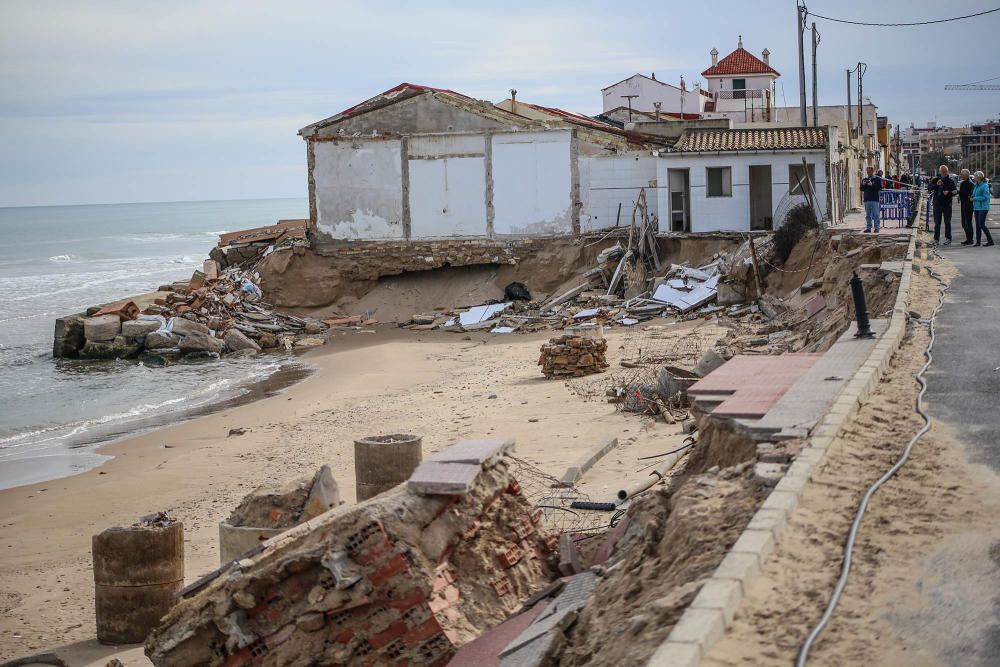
102, 328
314, 327
268, 340
310, 342
161, 341
236, 341
185, 327
69, 337
200, 342
119, 348
136, 328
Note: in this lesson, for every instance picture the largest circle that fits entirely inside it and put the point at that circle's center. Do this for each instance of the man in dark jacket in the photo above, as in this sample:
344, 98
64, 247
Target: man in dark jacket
943, 189
871, 185
965, 188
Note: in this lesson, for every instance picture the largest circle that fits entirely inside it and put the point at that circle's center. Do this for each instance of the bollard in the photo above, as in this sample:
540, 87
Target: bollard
384, 461
861, 308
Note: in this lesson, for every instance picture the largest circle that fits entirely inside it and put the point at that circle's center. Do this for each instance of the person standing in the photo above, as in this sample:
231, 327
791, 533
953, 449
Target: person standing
965, 188
944, 189
981, 208
871, 185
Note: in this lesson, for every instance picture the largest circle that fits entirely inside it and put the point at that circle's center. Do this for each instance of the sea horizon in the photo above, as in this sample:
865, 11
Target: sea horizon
142, 203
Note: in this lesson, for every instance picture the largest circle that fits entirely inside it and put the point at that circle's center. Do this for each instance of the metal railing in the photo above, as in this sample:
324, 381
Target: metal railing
750, 93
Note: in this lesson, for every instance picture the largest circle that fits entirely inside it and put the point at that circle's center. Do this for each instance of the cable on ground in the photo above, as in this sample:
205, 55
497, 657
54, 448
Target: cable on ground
845, 568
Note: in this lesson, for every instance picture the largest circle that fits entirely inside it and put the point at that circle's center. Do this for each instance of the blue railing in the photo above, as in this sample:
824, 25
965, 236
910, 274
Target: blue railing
894, 205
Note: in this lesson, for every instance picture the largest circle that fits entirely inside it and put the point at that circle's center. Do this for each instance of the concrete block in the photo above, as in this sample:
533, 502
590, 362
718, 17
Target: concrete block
722, 594
769, 519
134, 328
436, 478
102, 328
781, 500
183, 327
675, 654
801, 468
821, 442
474, 451
768, 474
703, 627
792, 484
757, 542
741, 567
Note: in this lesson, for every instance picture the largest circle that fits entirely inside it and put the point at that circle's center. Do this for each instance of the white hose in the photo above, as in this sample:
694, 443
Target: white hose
845, 568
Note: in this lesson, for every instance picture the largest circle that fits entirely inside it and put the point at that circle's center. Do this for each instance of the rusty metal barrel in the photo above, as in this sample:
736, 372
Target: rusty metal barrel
137, 574
384, 461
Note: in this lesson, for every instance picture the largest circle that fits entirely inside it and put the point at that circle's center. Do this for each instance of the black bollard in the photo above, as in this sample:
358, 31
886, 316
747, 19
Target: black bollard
861, 308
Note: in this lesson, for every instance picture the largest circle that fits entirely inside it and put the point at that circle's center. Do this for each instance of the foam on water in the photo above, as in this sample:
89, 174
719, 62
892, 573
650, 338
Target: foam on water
60, 260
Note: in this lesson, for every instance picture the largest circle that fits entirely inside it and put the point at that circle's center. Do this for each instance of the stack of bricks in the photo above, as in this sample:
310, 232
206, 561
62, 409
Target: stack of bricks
402, 579
573, 356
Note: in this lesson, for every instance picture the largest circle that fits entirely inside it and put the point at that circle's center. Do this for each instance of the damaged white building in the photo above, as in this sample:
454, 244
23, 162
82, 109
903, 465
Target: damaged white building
420, 163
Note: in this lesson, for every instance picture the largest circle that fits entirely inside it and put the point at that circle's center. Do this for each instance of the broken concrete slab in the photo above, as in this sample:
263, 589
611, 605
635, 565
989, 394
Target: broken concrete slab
474, 451
436, 478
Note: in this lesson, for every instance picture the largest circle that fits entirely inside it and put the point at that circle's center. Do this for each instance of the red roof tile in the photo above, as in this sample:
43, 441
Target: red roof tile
740, 61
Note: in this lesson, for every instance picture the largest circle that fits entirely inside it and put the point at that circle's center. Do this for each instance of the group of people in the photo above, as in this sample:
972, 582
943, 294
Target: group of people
973, 196
974, 199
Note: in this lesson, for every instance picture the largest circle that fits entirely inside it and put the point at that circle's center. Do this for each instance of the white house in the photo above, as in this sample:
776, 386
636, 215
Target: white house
741, 86
421, 163
648, 94
740, 180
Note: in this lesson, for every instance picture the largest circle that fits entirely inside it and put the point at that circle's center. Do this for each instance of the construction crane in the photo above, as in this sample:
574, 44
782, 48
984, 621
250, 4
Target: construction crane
973, 87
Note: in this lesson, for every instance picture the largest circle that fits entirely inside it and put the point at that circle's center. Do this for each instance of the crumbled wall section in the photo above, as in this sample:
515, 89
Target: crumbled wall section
400, 579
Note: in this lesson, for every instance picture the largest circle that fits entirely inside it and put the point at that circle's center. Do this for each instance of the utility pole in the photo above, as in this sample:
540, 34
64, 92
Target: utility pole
861, 104
800, 20
629, 98
849, 115
815, 43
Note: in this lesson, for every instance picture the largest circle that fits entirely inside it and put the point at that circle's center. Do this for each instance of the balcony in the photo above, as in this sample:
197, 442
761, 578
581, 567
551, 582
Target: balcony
746, 94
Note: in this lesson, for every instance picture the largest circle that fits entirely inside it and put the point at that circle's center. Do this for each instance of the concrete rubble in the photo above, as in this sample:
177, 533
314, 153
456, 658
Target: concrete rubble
200, 318
403, 578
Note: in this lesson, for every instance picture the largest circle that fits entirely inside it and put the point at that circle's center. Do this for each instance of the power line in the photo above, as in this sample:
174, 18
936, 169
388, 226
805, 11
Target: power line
973, 83
895, 25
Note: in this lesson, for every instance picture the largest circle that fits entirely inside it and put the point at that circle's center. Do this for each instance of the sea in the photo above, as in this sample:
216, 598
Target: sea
59, 260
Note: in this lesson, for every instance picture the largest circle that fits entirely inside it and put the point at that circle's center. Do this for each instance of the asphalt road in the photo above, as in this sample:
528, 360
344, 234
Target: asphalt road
963, 586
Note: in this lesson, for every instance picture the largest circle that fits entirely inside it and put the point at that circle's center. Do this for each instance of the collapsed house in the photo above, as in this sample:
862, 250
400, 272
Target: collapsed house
402, 578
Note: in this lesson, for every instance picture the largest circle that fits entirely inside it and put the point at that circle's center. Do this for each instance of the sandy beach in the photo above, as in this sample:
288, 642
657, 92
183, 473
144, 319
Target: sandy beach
439, 385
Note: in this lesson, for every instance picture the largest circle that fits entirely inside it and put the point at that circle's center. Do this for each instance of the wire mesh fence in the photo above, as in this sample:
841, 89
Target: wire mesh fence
555, 499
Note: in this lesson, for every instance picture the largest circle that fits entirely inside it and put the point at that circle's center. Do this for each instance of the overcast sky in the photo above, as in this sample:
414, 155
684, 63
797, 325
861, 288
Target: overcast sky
139, 101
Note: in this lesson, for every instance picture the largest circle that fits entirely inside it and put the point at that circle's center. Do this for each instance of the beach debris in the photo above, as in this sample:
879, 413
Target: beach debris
403, 578
573, 356
271, 510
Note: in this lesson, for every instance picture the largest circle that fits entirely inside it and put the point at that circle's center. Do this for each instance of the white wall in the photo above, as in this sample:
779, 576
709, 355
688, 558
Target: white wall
448, 197
712, 214
607, 181
650, 91
359, 192
447, 185
532, 183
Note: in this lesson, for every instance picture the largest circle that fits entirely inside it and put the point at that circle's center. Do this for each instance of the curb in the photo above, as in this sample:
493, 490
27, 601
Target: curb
706, 619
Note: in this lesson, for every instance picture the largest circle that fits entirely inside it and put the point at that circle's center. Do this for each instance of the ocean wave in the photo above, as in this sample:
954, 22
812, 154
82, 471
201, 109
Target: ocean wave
218, 390
63, 258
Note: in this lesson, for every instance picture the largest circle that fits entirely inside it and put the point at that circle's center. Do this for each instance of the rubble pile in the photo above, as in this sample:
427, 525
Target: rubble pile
573, 356
205, 317
403, 578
